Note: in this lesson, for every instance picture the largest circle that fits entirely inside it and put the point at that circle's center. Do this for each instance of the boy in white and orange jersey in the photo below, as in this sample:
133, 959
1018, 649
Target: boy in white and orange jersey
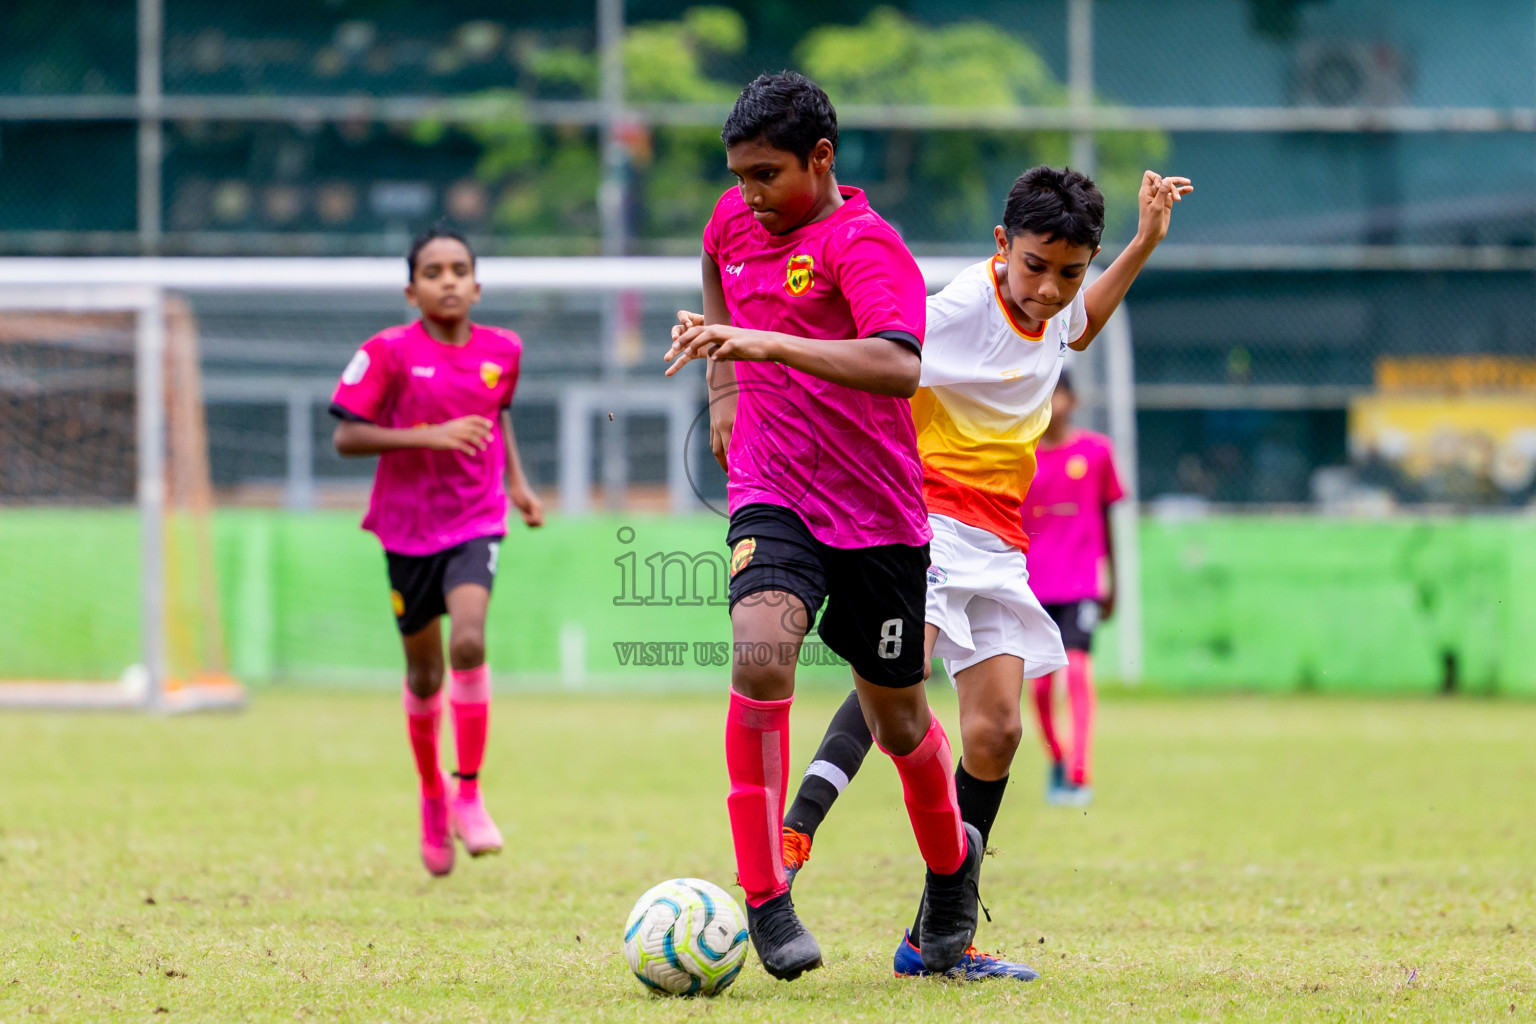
997, 337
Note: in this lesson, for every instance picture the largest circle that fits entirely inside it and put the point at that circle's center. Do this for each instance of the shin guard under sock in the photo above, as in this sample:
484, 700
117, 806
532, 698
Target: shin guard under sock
757, 760
1046, 716
1083, 700
422, 715
928, 787
469, 698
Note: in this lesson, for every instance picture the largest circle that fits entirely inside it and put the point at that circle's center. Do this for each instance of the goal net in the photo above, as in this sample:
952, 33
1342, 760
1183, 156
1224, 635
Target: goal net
110, 595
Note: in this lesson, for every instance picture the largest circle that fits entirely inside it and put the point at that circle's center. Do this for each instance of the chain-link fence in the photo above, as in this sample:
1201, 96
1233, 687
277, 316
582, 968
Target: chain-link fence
1365, 179
270, 362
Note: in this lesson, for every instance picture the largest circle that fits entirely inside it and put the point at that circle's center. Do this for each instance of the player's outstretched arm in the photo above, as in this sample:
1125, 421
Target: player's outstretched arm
877, 365
467, 434
522, 496
1104, 295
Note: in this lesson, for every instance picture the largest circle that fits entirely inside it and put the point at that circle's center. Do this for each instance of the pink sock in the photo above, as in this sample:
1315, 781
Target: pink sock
928, 786
757, 760
422, 715
1046, 716
1083, 699
470, 700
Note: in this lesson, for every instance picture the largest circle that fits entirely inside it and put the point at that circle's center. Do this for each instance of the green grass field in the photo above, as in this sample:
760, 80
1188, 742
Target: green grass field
1246, 859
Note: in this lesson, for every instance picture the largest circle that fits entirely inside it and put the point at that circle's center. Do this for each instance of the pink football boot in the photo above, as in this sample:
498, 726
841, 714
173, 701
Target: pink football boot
473, 826
436, 846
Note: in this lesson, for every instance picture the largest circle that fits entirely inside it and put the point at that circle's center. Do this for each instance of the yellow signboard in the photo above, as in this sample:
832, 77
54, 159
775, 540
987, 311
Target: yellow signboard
1486, 441
1457, 374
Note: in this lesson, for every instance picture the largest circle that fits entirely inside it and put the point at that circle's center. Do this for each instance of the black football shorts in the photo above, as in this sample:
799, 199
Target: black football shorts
874, 596
1077, 620
419, 584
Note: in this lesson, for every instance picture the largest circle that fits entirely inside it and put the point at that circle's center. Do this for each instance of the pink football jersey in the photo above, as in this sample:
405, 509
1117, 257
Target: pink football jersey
843, 459
1064, 517
425, 501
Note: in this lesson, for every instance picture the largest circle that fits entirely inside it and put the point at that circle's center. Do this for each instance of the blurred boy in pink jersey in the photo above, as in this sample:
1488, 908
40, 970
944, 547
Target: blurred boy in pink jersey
812, 327
1072, 561
432, 399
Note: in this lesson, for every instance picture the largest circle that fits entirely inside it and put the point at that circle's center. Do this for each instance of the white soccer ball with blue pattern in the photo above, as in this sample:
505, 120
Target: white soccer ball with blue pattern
686, 937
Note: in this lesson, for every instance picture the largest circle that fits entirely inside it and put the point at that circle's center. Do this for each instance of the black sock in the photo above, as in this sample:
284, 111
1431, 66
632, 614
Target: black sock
979, 801
837, 760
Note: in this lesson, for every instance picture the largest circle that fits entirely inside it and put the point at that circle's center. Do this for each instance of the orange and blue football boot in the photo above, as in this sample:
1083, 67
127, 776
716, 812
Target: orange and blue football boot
973, 966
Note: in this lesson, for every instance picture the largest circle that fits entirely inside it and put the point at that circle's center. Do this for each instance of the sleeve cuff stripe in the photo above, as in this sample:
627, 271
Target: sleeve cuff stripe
341, 412
901, 337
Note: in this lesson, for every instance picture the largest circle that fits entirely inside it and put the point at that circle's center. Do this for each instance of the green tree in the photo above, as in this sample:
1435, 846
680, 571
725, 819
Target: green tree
948, 185
679, 172
939, 185
546, 177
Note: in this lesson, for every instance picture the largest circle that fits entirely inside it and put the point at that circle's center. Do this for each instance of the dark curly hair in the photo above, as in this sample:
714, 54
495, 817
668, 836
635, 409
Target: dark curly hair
788, 110
1056, 203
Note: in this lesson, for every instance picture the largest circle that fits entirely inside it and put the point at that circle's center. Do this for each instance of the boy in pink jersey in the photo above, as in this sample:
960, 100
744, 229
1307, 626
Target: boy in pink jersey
1072, 562
812, 327
431, 400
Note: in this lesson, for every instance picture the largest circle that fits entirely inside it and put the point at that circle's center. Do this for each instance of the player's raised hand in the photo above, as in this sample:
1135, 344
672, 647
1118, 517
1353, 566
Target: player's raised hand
467, 434
528, 504
1158, 194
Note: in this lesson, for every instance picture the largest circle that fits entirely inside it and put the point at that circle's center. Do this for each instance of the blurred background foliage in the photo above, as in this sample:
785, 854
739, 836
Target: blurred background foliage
1305, 257
943, 184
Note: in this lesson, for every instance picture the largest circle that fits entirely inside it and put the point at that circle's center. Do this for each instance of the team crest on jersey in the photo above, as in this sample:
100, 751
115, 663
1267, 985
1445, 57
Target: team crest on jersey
1077, 467
741, 554
491, 374
937, 577
801, 275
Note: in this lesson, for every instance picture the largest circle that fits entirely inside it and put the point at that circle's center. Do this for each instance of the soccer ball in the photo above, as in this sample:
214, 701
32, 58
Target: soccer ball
686, 937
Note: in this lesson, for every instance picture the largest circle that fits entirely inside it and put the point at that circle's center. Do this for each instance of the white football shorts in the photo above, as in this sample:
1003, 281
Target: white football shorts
979, 597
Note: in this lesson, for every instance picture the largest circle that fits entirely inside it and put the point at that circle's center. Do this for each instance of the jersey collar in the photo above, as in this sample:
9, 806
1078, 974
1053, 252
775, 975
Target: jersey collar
426, 335
997, 293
